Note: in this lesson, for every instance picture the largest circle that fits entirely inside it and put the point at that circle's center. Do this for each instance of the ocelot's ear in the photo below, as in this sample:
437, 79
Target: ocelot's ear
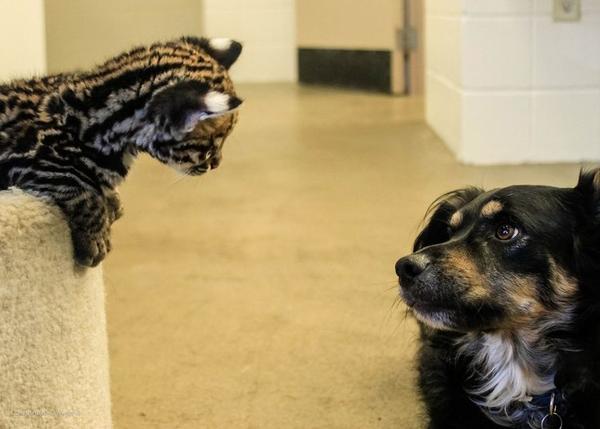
225, 51
440, 216
186, 103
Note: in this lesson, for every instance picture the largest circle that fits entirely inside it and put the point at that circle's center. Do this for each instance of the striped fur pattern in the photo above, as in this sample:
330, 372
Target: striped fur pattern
71, 138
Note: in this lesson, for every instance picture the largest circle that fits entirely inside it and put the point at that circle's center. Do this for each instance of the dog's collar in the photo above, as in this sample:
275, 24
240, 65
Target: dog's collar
544, 400
552, 406
545, 411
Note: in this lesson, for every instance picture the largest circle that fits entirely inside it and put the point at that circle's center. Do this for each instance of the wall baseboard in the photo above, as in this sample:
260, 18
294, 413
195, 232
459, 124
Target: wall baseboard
362, 69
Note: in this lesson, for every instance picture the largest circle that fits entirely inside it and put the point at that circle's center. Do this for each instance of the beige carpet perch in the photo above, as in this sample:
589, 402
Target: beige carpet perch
53, 344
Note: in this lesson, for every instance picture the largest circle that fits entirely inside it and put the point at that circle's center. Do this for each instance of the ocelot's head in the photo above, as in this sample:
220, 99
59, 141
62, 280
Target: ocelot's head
192, 112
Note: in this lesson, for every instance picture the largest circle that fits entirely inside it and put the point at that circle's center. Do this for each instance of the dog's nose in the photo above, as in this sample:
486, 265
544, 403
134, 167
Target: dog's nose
410, 267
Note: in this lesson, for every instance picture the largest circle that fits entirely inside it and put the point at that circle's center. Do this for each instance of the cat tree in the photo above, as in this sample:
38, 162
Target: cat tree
53, 344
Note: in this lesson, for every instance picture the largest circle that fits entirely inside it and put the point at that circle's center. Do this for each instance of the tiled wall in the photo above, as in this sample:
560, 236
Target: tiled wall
507, 84
267, 29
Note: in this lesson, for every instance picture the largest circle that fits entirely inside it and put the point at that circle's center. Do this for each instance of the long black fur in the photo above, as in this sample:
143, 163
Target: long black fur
557, 224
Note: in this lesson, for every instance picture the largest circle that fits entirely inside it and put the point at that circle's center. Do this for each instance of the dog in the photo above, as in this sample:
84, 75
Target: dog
505, 285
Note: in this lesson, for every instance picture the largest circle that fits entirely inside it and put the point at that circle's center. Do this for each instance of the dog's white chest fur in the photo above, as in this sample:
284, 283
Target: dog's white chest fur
509, 370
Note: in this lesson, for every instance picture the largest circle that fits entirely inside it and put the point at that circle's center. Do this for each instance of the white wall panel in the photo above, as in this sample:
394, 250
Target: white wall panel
22, 31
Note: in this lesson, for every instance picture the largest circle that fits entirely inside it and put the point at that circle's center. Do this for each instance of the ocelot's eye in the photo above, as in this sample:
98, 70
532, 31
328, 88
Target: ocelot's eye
506, 231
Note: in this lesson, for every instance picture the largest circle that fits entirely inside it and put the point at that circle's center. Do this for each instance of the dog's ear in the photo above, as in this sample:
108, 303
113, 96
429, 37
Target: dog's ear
438, 216
588, 187
586, 239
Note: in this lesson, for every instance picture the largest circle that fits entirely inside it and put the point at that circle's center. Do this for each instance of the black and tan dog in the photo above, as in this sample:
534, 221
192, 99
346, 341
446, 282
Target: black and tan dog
506, 287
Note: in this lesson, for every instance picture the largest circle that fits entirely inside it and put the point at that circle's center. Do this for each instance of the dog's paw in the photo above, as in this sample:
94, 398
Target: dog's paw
90, 249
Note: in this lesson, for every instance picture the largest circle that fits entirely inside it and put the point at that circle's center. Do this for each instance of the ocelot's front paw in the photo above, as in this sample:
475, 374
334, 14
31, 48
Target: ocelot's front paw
113, 204
91, 249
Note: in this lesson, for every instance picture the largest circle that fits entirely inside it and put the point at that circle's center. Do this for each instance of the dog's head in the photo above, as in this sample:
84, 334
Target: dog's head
500, 259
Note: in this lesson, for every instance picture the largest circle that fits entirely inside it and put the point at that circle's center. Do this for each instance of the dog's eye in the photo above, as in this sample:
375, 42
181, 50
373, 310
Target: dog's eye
506, 231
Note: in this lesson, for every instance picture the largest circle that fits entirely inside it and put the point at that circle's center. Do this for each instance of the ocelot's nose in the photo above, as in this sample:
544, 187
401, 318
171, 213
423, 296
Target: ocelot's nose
215, 160
410, 267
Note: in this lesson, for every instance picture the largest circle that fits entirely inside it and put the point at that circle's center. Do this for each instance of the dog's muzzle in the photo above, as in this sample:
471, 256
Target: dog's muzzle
410, 268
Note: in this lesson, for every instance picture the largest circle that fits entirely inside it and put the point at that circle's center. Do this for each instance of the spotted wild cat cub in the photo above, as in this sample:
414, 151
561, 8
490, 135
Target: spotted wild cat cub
71, 138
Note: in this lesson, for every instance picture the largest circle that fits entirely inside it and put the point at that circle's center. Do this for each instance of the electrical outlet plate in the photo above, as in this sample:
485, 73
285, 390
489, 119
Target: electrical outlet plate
567, 10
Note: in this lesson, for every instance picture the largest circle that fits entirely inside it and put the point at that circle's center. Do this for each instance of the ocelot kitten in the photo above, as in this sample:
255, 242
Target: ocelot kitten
71, 138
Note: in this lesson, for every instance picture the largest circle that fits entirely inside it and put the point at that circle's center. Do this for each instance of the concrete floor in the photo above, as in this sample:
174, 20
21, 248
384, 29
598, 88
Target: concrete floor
262, 294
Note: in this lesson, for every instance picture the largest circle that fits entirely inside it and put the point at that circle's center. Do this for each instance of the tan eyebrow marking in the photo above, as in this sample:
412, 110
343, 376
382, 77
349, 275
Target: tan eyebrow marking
456, 219
491, 208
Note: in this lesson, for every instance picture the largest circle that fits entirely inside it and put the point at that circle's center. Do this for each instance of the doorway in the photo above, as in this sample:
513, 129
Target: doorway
373, 45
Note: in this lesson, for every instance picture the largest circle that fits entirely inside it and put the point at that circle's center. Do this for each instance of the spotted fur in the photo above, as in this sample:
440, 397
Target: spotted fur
71, 138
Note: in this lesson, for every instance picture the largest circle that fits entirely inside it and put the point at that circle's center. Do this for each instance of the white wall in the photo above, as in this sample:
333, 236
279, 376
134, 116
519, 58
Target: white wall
507, 84
23, 46
267, 30
84, 33
266, 27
